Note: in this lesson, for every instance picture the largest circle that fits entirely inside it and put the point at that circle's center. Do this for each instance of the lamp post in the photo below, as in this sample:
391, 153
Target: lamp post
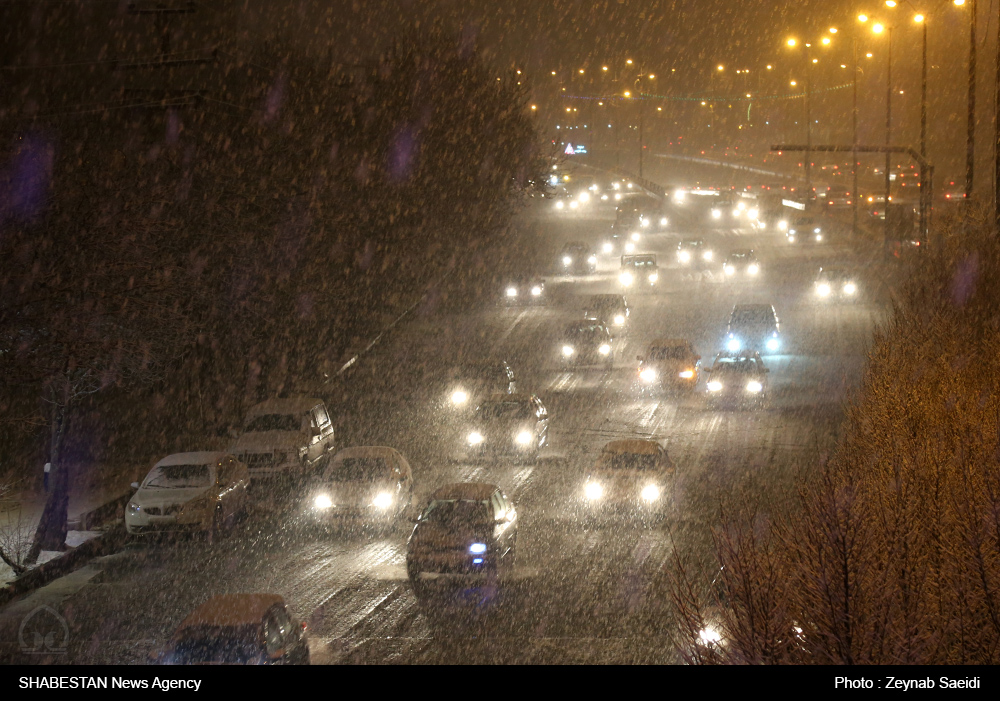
810, 61
878, 28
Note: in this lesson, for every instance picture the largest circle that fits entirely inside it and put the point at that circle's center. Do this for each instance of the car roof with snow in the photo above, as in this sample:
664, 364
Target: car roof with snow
471, 491
207, 457
231, 610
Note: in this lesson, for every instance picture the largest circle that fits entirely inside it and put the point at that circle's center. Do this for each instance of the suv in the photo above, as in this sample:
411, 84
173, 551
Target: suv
285, 438
639, 269
753, 327
610, 310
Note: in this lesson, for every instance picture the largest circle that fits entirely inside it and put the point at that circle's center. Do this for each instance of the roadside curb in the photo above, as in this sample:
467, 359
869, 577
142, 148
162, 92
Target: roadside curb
105, 544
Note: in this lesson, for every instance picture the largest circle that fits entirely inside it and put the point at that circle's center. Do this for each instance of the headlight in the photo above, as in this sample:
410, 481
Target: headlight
714, 386
619, 319
707, 255
647, 374
134, 508
683, 256
733, 344
730, 270
754, 386
736, 213
584, 197
574, 204
816, 230
607, 248
475, 438
653, 277
322, 501
604, 197
604, 349
709, 636
618, 196
382, 501
630, 247
753, 269
663, 221
567, 260
850, 289
524, 437
626, 278
567, 351
819, 237
593, 490
783, 225
536, 291
512, 292
650, 492
823, 290
477, 548
752, 213
559, 204
635, 236
791, 239
459, 397
716, 214
644, 222
772, 344
686, 374
592, 260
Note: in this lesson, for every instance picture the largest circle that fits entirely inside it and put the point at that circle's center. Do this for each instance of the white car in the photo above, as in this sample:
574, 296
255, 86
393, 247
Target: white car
366, 484
285, 438
203, 492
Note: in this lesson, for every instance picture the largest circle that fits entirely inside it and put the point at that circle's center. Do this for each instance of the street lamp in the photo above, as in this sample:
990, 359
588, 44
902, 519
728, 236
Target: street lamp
878, 28
810, 61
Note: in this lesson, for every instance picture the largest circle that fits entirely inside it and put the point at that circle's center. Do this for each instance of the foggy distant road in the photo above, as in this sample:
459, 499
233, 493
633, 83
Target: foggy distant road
582, 592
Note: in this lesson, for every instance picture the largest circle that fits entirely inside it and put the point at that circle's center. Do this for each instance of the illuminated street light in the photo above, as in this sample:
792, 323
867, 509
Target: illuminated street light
604, 68
890, 3
918, 18
628, 61
769, 66
878, 28
793, 83
534, 107
581, 71
792, 42
862, 18
720, 67
826, 40
628, 94
651, 76
833, 30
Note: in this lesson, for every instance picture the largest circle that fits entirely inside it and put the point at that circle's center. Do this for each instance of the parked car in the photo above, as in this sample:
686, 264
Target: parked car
243, 629
202, 492
285, 438
365, 485
467, 533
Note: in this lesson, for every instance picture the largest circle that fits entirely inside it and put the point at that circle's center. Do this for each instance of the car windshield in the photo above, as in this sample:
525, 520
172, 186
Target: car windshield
645, 262
737, 257
226, 645
457, 512
668, 353
691, 244
582, 332
179, 476
504, 410
359, 469
733, 365
274, 422
629, 461
752, 316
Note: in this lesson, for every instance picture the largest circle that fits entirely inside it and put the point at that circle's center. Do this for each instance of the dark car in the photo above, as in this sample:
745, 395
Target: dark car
610, 310
509, 424
587, 342
805, 229
835, 283
669, 363
639, 270
469, 384
467, 533
577, 258
737, 378
741, 264
238, 629
524, 289
621, 240
695, 253
753, 327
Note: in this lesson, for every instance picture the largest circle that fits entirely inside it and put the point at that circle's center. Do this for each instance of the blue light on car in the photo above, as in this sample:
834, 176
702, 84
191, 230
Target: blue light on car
733, 344
477, 548
772, 344
477, 561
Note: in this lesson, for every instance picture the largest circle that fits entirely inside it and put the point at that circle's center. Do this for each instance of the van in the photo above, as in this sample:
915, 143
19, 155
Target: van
285, 438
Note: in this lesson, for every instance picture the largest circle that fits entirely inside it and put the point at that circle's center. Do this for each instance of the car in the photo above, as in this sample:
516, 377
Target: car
741, 264
243, 629
203, 492
366, 485
287, 438
618, 242
694, 253
470, 383
669, 363
611, 310
467, 533
630, 477
642, 212
805, 230
586, 342
753, 327
639, 269
524, 289
737, 378
577, 258
835, 283
509, 424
